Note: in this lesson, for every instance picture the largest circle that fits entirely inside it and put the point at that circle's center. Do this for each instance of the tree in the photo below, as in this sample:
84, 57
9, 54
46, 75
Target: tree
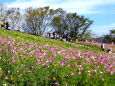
87, 25
3, 11
14, 17
77, 25
38, 19
109, 38
112, 31
58, 23
73, 24
88, 35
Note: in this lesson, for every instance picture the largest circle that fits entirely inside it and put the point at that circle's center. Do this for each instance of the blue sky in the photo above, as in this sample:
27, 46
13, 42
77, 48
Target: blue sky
102, 12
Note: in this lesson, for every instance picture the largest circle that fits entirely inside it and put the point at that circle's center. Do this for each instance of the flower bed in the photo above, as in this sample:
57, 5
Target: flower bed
32, 64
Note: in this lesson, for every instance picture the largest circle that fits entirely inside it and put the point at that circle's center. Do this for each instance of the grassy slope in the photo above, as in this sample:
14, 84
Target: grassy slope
42, 40
28, 60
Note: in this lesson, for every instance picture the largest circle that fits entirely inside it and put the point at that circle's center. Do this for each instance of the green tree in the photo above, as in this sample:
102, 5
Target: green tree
109, 38
73, 24
77, 25
112, 31
58, 23
38, 19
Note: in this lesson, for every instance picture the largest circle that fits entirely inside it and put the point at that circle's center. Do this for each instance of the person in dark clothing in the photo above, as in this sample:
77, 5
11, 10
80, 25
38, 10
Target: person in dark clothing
64, 37
102, 47
109, 51
53, 35
49, 35
7, 25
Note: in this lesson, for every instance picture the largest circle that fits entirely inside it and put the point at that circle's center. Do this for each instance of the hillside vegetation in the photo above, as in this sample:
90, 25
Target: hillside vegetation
28, 60
32, 38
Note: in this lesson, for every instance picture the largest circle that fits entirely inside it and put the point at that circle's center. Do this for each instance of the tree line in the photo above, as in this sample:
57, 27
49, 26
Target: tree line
110, 37
41, 20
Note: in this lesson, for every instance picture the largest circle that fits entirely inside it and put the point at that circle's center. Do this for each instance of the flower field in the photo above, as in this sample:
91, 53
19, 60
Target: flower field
33, 63
107, 46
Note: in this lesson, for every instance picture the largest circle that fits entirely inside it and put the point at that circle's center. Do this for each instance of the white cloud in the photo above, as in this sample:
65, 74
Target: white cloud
79, 6
110, 26
103, 29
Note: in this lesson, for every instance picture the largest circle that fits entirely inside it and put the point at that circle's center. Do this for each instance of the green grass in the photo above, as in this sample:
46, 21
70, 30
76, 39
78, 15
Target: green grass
29, 60
52, 42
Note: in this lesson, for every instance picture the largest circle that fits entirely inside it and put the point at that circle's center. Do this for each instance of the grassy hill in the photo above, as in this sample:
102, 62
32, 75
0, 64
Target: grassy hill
42, 40
28, 60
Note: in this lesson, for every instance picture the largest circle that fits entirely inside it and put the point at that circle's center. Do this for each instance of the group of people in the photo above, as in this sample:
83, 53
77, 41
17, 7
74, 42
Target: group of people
108, 50
62, 37
4, 25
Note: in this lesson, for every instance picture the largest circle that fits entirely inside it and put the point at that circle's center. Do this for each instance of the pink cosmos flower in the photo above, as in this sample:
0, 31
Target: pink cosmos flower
76, 59
72, 65
37, 54
104, 60
13, 57
57, 83
29, 71
80, 68
44, 64
40, 47
0, 48
79, 72
7, 51
43, 55
31, 46
67, 57
37, 63
48, 60
8, 42
46, 45
63, 50
11, 45
52, 49
62, 63
13, 52
72, 74
39, 60
12, 61
25, 47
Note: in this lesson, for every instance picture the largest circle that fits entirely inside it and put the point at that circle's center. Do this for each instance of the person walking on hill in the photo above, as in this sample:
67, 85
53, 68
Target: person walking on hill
54, 35
64, 37
102, 47
7, 25
2, 24
49, 35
